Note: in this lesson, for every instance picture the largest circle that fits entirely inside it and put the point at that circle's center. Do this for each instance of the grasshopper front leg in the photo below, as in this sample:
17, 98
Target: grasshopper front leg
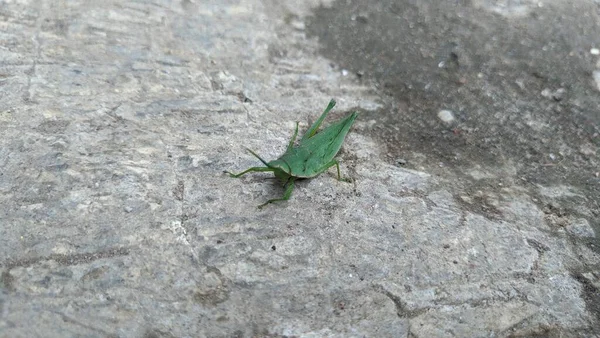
286, 196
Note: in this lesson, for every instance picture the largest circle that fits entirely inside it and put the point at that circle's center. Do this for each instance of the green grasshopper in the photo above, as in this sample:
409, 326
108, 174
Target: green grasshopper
313, 155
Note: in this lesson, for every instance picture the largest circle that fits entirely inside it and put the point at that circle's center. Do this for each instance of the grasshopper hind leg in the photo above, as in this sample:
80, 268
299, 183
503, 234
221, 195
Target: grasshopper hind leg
337, 166
291, 144
286, 196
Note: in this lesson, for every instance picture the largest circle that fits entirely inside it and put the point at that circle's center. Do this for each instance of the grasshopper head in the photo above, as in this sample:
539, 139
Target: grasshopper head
282, 168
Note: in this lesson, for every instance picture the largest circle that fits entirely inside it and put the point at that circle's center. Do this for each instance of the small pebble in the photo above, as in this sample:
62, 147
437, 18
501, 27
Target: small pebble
520, 83
299, 25
446, 116
595, 51
581, 228
587, 149
546, 92
596, 75
559, 94
344, 72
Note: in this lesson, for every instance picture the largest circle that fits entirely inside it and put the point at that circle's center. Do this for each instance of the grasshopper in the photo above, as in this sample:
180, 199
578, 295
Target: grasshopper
313, 155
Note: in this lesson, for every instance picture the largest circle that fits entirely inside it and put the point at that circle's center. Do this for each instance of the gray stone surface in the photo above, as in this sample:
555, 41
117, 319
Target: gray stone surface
117, 119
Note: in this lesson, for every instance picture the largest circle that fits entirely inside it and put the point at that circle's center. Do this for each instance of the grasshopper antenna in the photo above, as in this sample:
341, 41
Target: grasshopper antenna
258, 157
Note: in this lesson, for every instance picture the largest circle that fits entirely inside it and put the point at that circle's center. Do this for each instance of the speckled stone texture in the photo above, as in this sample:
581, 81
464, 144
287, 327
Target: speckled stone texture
117, 119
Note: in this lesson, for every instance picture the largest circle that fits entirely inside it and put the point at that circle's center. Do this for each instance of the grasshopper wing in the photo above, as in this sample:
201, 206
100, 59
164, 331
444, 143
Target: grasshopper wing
314, 155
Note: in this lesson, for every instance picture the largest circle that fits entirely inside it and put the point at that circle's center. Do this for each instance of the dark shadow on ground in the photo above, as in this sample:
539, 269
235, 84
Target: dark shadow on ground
519, 83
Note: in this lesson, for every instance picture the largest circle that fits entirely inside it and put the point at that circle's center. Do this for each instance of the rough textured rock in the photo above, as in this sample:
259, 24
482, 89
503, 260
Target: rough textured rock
117, 121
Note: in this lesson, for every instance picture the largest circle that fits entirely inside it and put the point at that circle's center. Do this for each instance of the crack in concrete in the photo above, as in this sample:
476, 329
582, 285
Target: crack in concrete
66, 259
71, 320
401, 309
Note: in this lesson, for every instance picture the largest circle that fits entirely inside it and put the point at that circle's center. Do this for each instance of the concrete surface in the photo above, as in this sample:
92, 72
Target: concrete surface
473, 210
